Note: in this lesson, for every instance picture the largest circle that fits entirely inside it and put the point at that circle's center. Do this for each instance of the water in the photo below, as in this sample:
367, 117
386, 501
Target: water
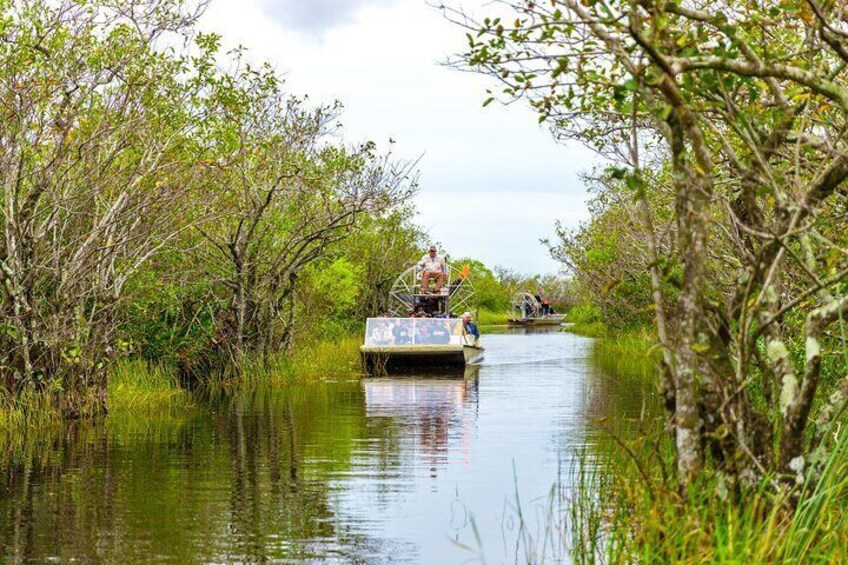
412, 469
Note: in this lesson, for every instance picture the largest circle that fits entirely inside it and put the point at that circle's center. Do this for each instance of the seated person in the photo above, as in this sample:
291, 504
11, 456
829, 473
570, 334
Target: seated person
382, 334
440, 333
432, 266
469, 327
427, 305
401, 334
422, 334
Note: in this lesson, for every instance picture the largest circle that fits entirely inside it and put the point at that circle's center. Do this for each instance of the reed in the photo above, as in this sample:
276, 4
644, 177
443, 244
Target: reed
487, 317
137, 385
315, 361
626, 510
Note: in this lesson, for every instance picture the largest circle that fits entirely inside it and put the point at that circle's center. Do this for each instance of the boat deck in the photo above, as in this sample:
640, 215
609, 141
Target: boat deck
382, 359
535, 322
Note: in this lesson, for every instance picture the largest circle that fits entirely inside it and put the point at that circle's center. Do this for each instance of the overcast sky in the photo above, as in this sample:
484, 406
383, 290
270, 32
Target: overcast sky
492, 181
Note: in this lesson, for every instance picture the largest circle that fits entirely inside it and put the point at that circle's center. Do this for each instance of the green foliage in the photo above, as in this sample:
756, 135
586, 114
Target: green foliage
492, 295
585, 319
487, 317
168, 323
609, 258
331, 294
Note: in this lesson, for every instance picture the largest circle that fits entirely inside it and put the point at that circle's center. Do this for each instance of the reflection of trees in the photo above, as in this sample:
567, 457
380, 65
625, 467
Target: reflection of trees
247, 478
618, 398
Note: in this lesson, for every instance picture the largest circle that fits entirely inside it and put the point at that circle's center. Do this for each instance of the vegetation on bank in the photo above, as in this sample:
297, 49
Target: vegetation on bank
718, 219
628, 507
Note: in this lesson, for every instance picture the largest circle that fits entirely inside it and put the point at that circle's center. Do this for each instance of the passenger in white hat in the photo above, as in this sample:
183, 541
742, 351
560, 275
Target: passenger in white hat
468, 325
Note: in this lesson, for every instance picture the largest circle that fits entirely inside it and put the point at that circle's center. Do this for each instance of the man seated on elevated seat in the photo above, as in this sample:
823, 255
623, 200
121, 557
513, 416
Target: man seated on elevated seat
433, 267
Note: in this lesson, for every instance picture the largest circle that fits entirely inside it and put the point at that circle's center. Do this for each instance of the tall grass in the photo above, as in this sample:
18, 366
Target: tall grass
585, 319
628, 510
315, 361
626, 506
29, 424
135, 384
634, 354
140, 389
487, 317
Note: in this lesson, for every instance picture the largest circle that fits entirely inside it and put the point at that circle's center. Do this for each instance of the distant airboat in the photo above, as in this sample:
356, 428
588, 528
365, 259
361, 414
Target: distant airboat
526, 310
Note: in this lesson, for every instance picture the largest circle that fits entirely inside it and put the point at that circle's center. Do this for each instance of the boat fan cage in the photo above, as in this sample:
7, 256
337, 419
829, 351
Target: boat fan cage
406, 296
524, 306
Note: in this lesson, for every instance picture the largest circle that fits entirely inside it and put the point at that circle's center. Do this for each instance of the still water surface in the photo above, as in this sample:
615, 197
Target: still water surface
389, 470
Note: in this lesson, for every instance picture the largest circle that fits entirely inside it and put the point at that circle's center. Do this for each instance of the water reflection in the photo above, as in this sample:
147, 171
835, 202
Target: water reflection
431, 411
400, 469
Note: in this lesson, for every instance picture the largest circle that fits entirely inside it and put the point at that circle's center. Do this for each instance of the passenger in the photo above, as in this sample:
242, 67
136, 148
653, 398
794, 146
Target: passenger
546, 306
469, 327
423, 335
382, 334
428, 306
401, 333
440, 333
432, 266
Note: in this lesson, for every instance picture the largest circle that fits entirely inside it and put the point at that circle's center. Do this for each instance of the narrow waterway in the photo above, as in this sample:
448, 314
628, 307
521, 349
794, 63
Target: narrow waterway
473, 467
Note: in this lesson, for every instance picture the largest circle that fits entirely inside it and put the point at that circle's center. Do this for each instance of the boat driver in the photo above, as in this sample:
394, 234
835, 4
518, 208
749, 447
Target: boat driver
432, 267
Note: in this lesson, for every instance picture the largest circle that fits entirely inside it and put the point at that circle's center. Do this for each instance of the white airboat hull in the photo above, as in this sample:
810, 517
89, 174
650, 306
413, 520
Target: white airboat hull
382, 359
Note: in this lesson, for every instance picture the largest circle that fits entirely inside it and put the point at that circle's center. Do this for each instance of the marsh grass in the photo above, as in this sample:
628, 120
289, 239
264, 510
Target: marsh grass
587, 329
139, 391
627, 511
28, 425
625, 505
620, 504
492, 318
585, 319
136, 384
633, 355
311, 362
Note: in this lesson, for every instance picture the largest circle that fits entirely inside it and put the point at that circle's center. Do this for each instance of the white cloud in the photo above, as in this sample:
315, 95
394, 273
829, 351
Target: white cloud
494, 168
314, 15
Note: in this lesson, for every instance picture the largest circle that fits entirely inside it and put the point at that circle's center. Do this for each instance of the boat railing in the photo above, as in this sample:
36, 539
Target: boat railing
415, 331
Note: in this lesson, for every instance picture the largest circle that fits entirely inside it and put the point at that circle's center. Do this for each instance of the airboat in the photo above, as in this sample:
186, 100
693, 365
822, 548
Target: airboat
421, 328
527, 311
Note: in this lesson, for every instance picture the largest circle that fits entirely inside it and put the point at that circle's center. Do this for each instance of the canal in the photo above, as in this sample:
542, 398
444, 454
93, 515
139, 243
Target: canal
466, 468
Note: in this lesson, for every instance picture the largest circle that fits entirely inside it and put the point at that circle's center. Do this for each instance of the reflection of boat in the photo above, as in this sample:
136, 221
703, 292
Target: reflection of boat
550, 320
413, 395
433, 414
528, 311
432, 335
